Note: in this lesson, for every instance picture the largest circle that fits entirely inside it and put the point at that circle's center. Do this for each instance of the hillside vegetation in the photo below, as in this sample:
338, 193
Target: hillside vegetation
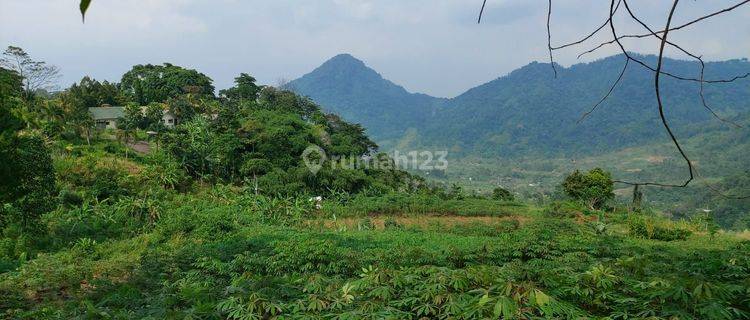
522, 131
221, 217
529, 111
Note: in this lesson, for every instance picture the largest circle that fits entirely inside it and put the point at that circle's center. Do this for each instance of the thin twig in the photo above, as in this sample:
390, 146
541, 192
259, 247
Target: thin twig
611, 89
700, 59
593, 33
549, 37
481, 12
662, 31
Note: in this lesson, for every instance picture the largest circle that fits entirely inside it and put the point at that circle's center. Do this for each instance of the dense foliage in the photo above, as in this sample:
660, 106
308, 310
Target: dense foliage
27, 182
145, 84
594, 188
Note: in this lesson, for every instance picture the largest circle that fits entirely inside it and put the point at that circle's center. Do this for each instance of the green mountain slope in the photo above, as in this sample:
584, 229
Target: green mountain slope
346, 86
522, 130
529, 111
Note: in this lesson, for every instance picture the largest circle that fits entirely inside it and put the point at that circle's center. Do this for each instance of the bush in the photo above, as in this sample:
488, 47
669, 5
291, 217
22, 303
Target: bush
649, 228
98, 177
165, 171
564, 209
390, 223
406, 204
70, 198
502, 194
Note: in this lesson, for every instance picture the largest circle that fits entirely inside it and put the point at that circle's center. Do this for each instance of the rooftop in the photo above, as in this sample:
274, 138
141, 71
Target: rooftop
99, 113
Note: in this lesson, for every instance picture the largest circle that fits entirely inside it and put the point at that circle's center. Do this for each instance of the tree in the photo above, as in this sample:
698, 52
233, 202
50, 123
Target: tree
10, 88
154, 117
196, 147
27, 178
145, 84
244, 89
75, 114
33, 190
132, 118
91, 93
594, 188
346, 138
36, 74
182, 107
255, 167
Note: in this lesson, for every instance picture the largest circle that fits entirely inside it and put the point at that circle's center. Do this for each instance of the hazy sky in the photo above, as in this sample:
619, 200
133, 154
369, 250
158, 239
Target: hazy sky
430, 46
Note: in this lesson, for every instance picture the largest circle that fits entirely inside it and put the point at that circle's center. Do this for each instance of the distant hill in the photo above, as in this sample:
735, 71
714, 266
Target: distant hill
529, 111
346, 86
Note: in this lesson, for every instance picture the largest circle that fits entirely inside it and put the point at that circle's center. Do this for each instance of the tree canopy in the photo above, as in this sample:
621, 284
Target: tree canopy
149, 83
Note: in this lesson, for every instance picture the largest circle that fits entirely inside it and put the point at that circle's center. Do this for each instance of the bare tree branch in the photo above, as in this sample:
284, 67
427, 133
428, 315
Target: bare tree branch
638, 36
698, 58
36, 74
549, 37
657, 86
593, 33
611, 89
481, 12
658, 71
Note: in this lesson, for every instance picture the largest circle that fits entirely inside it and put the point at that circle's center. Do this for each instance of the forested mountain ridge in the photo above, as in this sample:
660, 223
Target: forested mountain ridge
530, 110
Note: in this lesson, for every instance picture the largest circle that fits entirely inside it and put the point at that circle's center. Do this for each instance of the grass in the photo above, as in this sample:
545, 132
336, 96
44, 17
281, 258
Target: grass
400, 204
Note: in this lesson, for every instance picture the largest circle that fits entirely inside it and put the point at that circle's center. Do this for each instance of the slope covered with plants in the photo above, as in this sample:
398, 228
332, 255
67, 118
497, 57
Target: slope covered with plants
529, 111
220, 218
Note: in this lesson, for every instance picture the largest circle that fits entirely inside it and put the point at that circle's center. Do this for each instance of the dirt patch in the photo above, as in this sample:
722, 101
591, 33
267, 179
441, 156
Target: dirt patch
141, 147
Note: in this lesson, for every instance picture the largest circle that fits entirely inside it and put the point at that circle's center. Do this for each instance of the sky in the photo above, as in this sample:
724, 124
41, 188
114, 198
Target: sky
428, 46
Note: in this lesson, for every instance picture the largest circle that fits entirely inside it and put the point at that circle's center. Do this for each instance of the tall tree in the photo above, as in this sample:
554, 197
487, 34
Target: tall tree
244, 89
149, 83
91, 93
36, 74
27, 178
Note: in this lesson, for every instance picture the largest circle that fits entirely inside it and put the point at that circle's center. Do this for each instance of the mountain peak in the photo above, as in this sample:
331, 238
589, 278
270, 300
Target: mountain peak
342, 68
344, 57
344, 60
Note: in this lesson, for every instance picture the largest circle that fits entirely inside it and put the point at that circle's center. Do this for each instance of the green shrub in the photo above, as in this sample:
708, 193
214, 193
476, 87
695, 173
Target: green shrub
414, 204
502, 194
649, 228
564, 209
70, 198
390, 223
165, 171
99, 178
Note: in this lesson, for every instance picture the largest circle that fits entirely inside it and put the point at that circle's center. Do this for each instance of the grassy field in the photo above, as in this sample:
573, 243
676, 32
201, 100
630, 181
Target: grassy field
227, 254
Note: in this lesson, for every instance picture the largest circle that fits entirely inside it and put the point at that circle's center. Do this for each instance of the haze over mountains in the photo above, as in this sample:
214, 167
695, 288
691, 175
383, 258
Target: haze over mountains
529, 110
